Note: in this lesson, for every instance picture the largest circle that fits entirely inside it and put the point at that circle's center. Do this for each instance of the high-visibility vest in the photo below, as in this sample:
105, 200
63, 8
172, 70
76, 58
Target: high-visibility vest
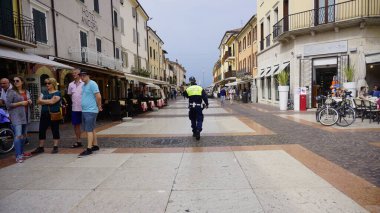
194, 90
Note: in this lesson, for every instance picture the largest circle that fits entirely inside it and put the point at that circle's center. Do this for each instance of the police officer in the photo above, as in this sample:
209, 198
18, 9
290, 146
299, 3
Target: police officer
196, 94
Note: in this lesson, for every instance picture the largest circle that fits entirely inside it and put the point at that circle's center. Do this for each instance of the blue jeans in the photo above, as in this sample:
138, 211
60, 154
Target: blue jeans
19, 131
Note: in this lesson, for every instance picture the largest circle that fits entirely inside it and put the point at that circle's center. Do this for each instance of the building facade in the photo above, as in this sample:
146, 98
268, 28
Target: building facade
156, 55
315, 41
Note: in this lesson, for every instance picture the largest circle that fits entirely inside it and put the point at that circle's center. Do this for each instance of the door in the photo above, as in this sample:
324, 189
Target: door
322, 82
324, 11
286, 15
6, 18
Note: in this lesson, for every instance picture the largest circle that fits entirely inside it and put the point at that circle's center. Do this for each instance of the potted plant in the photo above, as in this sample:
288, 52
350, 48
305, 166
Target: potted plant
350, 85
283, 88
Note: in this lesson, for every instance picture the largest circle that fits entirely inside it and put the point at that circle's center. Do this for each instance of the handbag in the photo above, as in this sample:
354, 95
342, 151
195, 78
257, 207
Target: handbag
55, 116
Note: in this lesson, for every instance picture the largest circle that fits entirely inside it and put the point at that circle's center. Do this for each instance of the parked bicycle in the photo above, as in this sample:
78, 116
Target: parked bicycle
330, 112
6, 133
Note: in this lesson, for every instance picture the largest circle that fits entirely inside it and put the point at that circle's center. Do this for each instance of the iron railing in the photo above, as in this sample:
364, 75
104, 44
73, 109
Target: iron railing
230, 73
17, 26
339, 12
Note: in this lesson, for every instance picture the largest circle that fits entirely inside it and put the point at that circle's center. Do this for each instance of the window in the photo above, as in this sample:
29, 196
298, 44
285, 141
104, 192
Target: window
39, 19
244, 43
96, 6
269, 87
239, 46
263, 87
115, 24
98, 45
117, 53
249, 38
122, 25
154, 54
150, 51
134, 35
245, 65
249, 64
124, 58
83, 39
82, 1
255, 33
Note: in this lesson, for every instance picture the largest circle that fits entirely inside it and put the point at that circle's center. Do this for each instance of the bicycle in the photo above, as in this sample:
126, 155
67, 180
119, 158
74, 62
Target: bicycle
6, 133
328, 115
347, 114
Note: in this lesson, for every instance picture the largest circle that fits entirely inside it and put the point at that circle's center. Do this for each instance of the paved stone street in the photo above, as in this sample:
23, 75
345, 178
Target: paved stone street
251, 158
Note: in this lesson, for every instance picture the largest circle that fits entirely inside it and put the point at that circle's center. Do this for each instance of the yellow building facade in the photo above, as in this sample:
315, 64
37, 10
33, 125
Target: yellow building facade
246, 60
156, 56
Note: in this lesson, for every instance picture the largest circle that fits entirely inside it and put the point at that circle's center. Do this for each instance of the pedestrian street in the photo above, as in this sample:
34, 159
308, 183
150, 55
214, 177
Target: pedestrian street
214, 174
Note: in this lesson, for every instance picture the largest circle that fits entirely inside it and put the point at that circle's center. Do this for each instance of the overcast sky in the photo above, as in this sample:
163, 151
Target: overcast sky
192, 29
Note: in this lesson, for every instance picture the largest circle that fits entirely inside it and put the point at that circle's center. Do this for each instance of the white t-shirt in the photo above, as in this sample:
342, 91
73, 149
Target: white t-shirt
232, 91
4, 93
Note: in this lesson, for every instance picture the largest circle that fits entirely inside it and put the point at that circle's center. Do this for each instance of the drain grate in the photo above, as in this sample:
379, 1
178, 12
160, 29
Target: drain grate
166, 142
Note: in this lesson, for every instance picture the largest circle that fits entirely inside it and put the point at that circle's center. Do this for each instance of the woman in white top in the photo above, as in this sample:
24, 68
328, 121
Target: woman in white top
232, 94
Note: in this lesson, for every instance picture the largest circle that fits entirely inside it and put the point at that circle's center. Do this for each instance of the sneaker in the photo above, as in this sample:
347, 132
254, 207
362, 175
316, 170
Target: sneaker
85, 153
38, 150
19, 159
95, 148
27, 155
55, 150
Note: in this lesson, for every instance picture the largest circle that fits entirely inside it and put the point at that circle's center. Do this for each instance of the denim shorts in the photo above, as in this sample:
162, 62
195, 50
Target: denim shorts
89, 121
76, 118
19, 129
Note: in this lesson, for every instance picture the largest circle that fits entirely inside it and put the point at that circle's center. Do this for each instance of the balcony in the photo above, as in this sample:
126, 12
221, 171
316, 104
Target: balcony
243, 73
228, 57
230, 73
89, 56
343, 14
16, 30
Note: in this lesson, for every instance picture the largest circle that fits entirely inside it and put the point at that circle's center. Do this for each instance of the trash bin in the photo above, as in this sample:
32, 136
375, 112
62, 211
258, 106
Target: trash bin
245, 97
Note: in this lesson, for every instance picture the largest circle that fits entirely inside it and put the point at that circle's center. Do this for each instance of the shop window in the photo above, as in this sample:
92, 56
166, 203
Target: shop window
263, 87
269, 87
39, 19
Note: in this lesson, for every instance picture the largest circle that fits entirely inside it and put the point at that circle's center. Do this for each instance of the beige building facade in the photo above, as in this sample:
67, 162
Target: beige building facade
156, 55
314, 41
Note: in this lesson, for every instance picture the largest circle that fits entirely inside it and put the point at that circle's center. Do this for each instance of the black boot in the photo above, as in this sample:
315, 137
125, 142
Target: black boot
194, 134
198, 135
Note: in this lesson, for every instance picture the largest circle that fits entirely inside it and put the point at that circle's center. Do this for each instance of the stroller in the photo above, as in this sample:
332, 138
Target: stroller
6, 133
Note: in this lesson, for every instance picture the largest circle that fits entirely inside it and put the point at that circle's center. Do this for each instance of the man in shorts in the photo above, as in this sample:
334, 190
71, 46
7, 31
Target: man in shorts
91, 106
75, 91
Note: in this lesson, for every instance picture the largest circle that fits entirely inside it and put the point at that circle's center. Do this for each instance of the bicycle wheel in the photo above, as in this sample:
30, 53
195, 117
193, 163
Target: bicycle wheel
347, 116
328, 116
6, 140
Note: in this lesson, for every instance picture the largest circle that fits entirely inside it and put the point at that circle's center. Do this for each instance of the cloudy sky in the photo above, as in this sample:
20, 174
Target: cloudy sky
192, 29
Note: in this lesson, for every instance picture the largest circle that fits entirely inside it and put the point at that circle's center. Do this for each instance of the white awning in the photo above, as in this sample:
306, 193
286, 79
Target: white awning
230, 78
372, 58
17, 55
268, 71
262, 72
282, 67
153, 86
138, 78
275, 69
231, 84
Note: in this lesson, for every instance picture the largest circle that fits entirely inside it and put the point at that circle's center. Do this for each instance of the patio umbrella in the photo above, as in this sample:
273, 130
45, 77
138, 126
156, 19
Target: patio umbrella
361, 71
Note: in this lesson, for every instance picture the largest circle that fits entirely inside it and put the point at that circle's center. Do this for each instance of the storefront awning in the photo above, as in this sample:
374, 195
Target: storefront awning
17, 55
268, 71
262, 72
231, 84
372, 58
138, 78
150, 85
282, 67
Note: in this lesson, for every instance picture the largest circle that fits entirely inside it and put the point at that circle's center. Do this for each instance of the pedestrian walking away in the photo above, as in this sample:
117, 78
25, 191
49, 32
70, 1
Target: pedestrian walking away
91, 106
196, 95
222, 96
75, 91
232, 94
51, 104
18, 104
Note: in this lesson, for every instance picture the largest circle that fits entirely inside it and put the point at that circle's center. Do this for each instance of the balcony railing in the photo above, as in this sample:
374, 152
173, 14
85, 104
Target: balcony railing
17, 26
87, 55
324, 15
225, 56
230, 73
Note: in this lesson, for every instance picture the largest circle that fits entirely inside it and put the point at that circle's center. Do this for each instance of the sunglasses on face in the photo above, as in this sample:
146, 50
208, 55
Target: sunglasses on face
47, 83
16, 80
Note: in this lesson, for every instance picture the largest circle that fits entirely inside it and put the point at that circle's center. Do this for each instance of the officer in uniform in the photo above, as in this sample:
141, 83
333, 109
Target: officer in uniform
196, 94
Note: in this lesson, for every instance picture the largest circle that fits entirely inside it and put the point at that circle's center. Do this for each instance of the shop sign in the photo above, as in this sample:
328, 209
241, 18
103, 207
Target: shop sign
326, 48
88, 18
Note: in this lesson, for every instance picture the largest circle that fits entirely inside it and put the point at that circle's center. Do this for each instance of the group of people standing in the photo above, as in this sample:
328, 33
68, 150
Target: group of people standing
223, 94
86, 105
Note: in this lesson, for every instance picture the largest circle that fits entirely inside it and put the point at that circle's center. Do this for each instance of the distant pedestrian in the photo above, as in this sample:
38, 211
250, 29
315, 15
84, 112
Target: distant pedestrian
5, 87
75, 91
18, 104
175, 94
51, 103
91, 106
232, 94
222, 96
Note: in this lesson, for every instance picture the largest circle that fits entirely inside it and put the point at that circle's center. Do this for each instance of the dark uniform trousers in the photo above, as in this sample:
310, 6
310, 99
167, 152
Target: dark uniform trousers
196, 117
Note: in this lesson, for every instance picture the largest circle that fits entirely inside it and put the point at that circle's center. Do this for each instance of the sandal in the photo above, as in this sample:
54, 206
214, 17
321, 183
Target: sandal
77, 145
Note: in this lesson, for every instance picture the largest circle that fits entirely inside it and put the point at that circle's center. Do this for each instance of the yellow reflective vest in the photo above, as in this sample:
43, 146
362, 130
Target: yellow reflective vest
194, 90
